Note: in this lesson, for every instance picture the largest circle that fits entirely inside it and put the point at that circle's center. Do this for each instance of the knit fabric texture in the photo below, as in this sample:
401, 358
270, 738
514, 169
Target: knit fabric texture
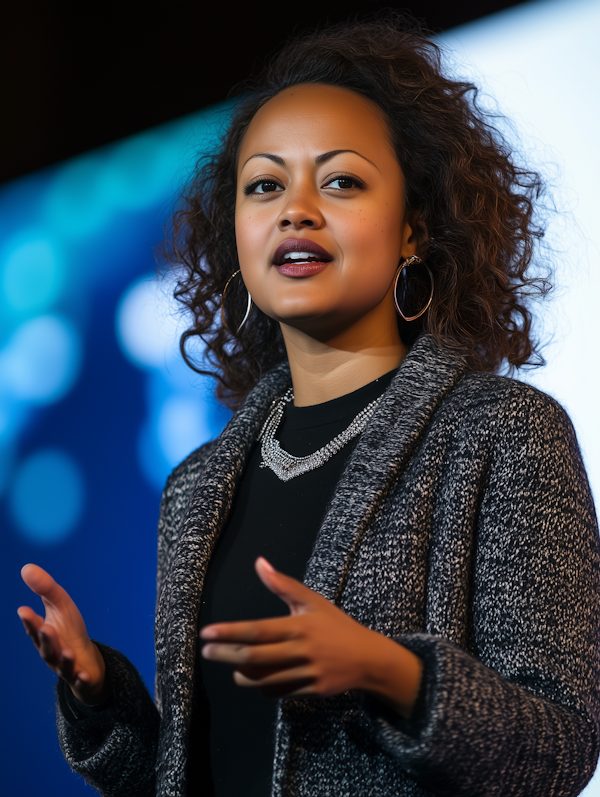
463, 527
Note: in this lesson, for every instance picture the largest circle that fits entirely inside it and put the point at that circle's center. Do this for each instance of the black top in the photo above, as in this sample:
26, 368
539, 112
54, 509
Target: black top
278, 520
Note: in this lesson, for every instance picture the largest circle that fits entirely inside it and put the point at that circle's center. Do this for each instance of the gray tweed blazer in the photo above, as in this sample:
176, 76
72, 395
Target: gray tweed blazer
463, 527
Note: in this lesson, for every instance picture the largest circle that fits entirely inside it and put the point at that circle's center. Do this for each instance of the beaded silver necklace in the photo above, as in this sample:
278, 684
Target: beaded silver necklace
284, 465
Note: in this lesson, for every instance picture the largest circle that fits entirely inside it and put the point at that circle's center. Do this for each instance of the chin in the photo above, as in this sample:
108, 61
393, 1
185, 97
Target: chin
295, 312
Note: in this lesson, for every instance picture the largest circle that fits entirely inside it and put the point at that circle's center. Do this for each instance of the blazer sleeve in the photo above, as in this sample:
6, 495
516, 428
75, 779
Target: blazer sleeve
519, 714
114, 746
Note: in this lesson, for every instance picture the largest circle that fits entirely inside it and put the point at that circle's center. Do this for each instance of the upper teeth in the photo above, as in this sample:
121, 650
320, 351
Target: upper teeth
298, 255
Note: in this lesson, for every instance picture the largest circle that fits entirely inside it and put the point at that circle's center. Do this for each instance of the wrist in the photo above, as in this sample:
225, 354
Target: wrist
95, 691
393, 674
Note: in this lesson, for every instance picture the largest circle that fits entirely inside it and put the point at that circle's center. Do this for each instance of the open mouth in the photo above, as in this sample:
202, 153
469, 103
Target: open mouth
301, 257
297, 252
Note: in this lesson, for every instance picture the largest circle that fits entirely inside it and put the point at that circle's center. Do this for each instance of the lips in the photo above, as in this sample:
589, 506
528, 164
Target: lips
316, 253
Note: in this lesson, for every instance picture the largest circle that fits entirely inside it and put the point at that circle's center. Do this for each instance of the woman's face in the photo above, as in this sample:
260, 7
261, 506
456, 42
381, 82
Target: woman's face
320, 217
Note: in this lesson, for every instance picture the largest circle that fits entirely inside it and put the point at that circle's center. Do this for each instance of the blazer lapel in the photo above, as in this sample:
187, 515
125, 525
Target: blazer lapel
178, 610
426, 376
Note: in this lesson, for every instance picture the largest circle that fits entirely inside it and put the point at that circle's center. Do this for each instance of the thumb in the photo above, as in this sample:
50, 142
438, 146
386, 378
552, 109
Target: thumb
297, 595
42, 583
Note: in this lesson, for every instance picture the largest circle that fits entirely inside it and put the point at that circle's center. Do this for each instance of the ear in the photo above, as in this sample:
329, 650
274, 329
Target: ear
416, 237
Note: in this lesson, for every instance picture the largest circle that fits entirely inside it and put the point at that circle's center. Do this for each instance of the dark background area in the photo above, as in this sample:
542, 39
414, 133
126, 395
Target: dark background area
74, 76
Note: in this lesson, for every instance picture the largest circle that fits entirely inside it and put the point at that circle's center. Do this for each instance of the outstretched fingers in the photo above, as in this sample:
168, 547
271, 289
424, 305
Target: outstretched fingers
297, 595
61, 638
42, 583
280, 654
43, 636
46, 640
32, 622
51, 649
252, 632
277, 682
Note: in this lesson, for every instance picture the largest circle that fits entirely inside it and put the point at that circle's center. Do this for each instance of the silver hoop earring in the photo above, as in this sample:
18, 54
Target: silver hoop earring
248, 307
409, 262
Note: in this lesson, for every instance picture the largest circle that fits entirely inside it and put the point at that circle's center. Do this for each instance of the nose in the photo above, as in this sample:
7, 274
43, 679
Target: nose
301, 211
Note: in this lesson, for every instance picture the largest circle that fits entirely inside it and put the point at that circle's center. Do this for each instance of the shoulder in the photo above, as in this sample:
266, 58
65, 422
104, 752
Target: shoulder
500, 417
520, 431
504, 403
502, 391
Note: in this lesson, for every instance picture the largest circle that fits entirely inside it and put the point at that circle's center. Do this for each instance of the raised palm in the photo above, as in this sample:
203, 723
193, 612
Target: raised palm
61, 638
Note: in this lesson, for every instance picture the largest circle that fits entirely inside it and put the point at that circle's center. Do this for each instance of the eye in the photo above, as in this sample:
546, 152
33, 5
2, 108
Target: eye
262, 187
344, 182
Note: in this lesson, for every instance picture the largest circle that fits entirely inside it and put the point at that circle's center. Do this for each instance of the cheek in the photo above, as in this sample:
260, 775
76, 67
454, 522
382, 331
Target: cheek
243, 235
373, 247
251, 248
252, 239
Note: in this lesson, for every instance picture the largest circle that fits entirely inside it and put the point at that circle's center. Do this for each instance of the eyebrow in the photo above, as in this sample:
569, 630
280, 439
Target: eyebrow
323, 158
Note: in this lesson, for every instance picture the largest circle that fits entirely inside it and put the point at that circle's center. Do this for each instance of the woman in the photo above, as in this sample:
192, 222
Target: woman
445, 638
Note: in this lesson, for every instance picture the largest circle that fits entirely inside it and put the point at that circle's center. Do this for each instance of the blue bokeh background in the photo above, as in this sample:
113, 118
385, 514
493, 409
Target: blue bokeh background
96, 406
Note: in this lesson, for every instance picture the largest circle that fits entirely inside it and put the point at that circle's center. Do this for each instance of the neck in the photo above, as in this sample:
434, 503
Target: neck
325, 370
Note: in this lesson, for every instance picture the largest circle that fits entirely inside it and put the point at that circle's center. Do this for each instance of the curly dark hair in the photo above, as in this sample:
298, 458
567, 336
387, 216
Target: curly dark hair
474, 205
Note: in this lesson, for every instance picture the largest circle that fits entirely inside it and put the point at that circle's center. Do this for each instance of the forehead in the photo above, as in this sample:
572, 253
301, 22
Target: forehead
317, 118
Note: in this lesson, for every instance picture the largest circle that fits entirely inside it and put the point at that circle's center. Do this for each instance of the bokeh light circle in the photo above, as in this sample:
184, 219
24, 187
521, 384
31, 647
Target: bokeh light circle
33, 273
47, 496
182, 426
147, 324
42, 359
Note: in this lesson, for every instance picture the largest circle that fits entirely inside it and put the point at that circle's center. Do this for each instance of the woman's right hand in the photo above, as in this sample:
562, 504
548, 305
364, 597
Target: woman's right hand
62, 639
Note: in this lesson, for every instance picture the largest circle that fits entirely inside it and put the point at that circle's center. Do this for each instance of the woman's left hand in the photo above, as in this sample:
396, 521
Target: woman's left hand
316, 651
